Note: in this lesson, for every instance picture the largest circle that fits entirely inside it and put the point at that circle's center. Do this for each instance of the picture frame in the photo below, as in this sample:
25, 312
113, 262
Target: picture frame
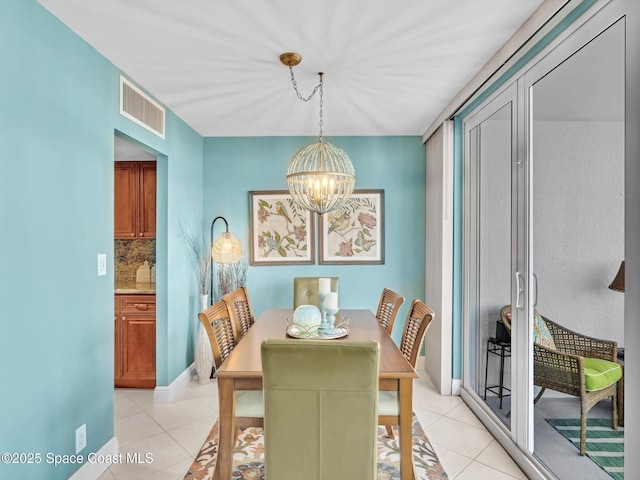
281, 232
354, 234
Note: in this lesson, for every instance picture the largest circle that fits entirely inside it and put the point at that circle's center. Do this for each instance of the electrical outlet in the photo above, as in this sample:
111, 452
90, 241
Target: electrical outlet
81, 438
102, 264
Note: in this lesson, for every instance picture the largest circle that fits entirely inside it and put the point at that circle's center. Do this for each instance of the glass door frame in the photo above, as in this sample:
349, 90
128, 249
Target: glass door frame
519, 441
508, 95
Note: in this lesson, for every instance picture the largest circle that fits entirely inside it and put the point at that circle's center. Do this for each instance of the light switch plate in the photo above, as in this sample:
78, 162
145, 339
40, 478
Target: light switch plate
102, 264
81, 438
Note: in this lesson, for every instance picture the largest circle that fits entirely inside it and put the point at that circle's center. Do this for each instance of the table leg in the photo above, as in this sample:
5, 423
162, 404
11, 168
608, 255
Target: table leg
227, 419
406, 429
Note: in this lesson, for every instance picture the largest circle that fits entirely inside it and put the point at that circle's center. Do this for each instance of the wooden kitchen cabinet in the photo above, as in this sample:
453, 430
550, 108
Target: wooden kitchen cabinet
134, 200
135, 341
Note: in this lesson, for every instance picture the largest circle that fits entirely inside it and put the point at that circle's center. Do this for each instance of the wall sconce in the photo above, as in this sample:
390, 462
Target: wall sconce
618, 282
225, 250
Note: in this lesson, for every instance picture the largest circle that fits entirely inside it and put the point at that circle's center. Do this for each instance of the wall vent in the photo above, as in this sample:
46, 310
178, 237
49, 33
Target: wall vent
140, 108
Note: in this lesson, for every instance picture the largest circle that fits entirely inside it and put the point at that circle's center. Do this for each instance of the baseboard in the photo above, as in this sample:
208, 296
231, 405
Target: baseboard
94, 470
167, 394
455, 386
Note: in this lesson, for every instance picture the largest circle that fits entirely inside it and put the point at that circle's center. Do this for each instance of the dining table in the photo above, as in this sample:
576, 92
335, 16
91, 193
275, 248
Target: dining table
242, 370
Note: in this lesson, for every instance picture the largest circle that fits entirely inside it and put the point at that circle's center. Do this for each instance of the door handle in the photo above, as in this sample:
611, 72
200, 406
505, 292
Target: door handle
535, 282
519, 290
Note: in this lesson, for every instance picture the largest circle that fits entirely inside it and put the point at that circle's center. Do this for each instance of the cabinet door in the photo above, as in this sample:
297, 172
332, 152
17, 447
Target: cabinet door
137, 341
125, 200
139, 351
117, 344
147, 200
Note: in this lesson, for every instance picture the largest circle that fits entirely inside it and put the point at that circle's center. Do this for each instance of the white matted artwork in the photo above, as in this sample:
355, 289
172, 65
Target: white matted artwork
282, 233
354, 234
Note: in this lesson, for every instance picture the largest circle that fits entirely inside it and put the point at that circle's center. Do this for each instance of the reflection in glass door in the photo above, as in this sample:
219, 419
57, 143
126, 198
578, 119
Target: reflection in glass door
577, 232
489, 254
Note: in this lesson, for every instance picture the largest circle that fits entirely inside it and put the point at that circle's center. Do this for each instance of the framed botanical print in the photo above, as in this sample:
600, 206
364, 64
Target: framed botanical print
282, 233
354, 234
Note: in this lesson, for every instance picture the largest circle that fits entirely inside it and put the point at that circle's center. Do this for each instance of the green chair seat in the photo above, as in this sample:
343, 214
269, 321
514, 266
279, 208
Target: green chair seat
388, 403
600, 373
249, 403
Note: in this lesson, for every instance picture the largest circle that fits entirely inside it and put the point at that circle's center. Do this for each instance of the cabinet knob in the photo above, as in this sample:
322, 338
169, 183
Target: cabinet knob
124, 317
142, 234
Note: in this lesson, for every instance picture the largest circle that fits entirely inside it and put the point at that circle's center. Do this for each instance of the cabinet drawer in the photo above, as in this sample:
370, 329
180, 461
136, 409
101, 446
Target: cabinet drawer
137, 304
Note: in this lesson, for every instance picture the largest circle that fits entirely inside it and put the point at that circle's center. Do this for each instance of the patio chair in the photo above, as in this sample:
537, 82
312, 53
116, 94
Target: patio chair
575, 364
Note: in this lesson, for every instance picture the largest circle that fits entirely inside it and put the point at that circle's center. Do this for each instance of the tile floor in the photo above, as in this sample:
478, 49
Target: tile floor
174, 433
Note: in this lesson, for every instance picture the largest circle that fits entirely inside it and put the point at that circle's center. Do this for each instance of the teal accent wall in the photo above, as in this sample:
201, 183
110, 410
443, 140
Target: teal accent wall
235, 166
58, 115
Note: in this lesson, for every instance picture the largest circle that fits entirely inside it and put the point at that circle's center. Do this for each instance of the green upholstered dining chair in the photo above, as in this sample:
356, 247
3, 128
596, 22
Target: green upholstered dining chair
415, 328
305, 290
388, 307
221, 332
321, 409
240, 310
572, 363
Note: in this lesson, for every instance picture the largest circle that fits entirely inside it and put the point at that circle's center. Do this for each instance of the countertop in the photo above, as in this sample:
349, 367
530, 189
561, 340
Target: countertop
133, 287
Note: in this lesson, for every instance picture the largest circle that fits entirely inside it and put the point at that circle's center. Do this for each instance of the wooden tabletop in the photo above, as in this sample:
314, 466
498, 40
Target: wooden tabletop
245, 362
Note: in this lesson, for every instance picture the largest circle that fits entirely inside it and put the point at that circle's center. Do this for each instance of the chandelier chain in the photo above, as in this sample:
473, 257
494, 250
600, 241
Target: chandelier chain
315, 90
295, 87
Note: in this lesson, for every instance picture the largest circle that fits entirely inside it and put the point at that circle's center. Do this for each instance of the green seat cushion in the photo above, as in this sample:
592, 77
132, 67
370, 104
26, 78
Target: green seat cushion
600, 373
388, 403
249, 403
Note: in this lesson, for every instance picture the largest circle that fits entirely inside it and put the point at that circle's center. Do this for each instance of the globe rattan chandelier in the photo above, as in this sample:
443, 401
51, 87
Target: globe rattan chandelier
320, 176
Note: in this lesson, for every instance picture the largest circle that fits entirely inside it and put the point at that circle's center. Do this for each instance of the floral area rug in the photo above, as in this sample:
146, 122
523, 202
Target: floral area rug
249, 450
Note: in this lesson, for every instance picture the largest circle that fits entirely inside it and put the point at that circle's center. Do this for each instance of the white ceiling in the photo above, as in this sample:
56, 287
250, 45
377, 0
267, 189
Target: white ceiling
391, 66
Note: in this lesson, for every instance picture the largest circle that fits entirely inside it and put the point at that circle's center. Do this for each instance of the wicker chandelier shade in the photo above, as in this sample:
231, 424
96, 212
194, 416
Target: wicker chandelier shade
320, 176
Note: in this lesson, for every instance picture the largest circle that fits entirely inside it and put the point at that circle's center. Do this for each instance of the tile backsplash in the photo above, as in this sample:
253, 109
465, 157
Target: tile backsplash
129, 255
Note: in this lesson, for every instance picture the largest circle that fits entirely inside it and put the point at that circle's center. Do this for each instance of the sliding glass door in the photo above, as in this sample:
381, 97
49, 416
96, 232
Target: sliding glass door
576, 237
543, 236
488, 255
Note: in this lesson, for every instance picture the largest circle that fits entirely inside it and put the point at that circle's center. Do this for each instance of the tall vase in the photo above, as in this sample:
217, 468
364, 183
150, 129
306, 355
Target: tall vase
203, 353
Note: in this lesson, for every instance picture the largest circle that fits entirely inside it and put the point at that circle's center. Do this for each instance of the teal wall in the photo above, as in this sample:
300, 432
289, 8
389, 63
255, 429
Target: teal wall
58, 115
235, 166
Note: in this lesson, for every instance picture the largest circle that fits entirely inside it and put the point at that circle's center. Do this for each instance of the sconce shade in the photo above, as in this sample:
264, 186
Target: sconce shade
618, 282
226, 249
321, 177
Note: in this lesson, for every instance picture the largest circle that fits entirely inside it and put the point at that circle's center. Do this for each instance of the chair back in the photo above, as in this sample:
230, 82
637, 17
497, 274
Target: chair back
219, 327
321, 409
388, 307
240, 310
305, 290
415, 327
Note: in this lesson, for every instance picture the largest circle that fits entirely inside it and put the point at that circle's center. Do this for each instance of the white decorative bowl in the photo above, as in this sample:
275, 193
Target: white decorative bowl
308, 315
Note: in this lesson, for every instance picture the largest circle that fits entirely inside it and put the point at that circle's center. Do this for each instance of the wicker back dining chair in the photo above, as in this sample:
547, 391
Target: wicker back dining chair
219, 327
562, 368
320, 417
388, 308
415, 328
240, 310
